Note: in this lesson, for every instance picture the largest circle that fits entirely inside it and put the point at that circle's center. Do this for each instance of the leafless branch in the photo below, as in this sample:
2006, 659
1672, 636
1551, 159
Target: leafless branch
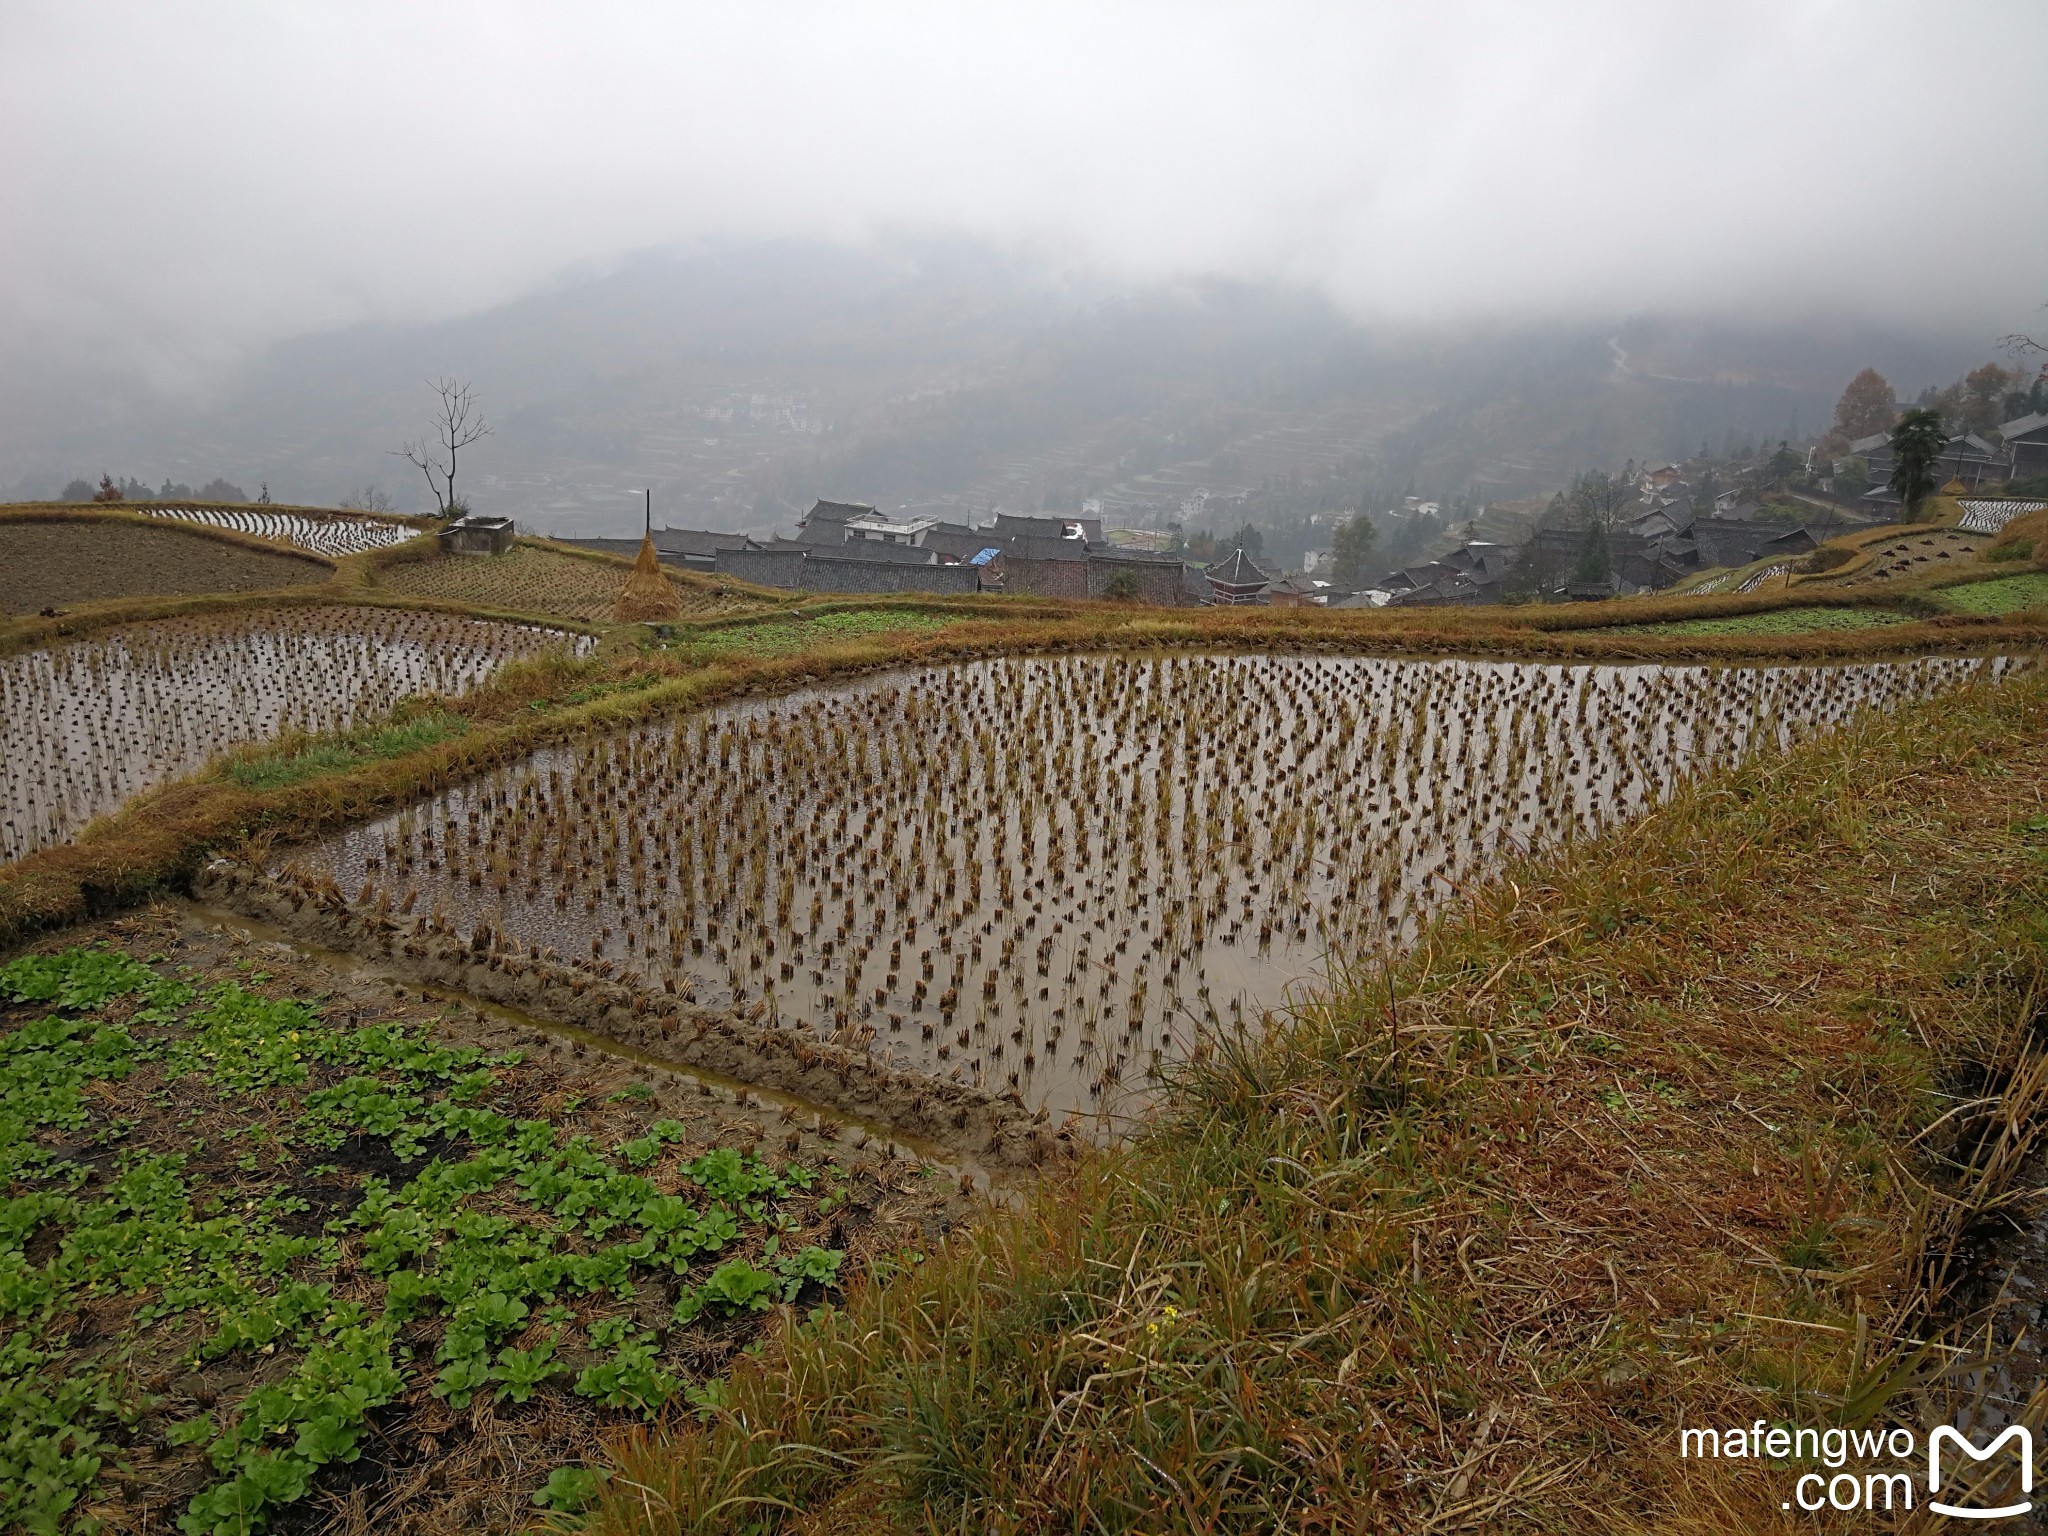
458, 422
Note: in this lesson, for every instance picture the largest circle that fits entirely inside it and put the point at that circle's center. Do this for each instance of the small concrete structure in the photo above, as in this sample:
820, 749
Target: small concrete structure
881, 529
475, 535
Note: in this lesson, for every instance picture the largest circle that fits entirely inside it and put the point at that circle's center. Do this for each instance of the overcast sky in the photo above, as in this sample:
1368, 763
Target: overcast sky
188, 180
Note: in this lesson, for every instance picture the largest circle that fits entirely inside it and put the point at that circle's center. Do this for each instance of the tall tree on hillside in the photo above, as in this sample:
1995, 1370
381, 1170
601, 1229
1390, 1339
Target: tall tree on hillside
1865, 408
1600, 499
1352, 551
457, 423
1852, 478
1984, 392
2025, 396
1782, 465
1596, 559
1917, 442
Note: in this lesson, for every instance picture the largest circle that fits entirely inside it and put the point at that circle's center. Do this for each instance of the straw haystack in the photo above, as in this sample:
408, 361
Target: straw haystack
647, 597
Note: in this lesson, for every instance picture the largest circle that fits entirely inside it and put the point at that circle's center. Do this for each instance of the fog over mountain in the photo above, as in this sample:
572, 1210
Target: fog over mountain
984, 255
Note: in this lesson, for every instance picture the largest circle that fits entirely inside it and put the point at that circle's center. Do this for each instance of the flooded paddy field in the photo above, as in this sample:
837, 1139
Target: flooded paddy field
86, 725
1039, 877
320, 533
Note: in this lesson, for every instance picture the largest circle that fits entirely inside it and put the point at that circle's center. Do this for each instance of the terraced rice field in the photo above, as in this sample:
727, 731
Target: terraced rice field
86, 726
1918, 552
320, 533
1044, 875
1991, 515
541, 581
61, 562
1756, 579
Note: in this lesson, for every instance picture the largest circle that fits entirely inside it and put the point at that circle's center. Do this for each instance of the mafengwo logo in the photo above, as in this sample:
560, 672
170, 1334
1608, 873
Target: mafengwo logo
1887, 1470
2023, 1444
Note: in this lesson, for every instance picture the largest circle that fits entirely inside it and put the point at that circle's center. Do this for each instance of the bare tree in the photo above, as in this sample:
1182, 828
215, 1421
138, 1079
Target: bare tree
2019, 344
369, 499
457, 423
1599, 499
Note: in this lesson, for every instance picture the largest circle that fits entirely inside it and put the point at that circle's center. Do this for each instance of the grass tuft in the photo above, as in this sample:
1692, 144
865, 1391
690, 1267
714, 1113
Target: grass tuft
794, 635
295, 761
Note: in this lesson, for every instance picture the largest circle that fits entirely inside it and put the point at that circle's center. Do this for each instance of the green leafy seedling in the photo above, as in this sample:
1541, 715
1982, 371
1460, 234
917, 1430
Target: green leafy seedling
570, 1490
522, 1372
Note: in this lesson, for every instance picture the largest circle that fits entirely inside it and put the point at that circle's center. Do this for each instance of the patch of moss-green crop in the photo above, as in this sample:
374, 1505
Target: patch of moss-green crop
2005, 594
1782, 621
792, 637
329, 1217
292, 765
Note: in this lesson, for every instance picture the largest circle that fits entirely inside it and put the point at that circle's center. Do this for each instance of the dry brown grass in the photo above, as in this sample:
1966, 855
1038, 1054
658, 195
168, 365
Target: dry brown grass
646, 596
541, 579
67, 556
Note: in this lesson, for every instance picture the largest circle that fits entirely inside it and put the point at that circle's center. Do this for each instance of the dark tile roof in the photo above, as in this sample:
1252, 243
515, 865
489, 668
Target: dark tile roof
1793, 541
878, 552
695, 543
1731, 541
1027, 548
1238, 571
1011, 524
956, 541
1133, 557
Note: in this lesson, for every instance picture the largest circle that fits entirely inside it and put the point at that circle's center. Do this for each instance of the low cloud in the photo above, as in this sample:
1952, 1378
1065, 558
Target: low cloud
190, 182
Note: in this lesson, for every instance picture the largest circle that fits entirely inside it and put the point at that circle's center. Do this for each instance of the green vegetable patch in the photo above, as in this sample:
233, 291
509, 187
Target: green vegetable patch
2006, 594
791, 637
238, 1237
1780, 621
293, 764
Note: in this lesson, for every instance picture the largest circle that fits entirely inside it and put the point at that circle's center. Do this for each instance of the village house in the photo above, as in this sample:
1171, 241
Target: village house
1968, 458
2025, 442
1235, 581
851, 547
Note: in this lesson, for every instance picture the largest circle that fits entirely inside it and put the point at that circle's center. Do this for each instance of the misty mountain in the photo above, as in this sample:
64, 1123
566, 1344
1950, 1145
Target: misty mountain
741, 381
